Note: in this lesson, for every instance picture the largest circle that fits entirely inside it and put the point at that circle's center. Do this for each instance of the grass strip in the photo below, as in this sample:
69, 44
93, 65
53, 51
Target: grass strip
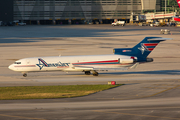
46, 92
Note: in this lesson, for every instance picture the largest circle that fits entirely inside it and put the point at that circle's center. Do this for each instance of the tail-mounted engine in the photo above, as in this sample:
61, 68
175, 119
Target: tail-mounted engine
130, 60
149, 60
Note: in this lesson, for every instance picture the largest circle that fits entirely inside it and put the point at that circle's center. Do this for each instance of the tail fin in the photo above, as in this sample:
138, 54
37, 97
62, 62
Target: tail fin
142, 49
178, 1
177, 19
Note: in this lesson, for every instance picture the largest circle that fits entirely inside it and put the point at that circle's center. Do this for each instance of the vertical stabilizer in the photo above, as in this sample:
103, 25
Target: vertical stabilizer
142, 49
146, 46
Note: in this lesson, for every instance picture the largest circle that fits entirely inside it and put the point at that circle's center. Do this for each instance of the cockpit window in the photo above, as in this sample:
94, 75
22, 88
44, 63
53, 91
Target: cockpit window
17, 63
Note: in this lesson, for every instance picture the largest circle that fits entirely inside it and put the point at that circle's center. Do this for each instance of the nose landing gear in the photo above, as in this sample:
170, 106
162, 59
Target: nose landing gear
24, 75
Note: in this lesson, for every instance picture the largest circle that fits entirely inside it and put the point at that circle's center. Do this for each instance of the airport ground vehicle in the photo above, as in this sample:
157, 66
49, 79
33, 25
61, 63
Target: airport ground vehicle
117, 23
22, 24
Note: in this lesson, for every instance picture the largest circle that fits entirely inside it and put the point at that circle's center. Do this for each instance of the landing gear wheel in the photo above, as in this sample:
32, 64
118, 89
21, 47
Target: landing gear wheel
87, 72
95, 74
24, 75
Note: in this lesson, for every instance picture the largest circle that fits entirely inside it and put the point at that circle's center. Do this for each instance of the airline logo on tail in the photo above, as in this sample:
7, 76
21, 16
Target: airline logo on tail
147, 47
42, 64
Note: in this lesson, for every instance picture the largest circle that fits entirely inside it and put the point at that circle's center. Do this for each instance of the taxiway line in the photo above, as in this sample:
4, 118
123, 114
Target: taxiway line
101, 111
21, 117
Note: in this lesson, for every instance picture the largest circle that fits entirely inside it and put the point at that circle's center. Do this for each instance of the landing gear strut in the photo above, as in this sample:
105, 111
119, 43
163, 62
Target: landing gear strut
95, 73
24, 75
87, 72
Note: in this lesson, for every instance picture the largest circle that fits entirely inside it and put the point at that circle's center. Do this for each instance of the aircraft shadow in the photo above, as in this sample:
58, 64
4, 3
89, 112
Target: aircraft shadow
20, 35
158, 72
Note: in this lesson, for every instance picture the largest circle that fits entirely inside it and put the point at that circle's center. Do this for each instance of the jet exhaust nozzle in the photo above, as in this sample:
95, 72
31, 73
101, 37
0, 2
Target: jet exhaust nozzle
149, 60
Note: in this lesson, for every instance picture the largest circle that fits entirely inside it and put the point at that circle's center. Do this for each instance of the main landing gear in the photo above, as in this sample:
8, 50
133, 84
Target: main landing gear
24, 75
93, 72
87, 72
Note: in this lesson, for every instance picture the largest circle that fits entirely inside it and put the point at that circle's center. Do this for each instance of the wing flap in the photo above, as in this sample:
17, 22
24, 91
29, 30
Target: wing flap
107, 69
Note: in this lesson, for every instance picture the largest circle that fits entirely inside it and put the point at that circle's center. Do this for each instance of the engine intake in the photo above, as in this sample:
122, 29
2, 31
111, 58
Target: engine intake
122, 61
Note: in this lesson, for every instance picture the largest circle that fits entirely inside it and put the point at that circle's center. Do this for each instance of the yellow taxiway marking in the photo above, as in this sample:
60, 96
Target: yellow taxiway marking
101, 111
21, 117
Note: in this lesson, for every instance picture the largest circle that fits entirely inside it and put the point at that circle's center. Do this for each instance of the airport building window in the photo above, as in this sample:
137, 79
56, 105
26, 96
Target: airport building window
76, 9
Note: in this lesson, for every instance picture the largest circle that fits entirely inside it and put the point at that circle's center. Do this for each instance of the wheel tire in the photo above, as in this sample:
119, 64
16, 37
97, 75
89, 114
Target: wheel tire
24, 75
96, 74
87, 72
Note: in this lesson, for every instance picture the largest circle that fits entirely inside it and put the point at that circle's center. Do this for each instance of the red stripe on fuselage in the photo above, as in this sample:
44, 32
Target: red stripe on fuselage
25, 66
97, 62
104, 64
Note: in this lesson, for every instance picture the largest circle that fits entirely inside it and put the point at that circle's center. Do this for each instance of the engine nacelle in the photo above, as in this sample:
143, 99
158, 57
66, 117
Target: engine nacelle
122, 61
149, 60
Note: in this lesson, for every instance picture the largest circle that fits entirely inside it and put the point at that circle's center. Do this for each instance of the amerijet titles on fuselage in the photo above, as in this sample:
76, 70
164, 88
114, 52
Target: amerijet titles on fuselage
42, 64
122, 59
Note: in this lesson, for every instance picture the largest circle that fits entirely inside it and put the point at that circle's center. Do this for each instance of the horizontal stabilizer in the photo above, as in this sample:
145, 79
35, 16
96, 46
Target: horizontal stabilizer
159, 39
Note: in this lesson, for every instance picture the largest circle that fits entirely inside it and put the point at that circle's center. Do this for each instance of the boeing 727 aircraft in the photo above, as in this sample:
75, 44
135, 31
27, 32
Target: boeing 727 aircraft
122, 59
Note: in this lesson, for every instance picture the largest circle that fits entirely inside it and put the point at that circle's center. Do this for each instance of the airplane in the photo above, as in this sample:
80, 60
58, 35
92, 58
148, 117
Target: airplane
122, 59
177, 19
178, 1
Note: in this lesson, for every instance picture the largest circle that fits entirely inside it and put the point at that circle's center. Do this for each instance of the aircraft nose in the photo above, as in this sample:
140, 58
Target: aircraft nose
11, 67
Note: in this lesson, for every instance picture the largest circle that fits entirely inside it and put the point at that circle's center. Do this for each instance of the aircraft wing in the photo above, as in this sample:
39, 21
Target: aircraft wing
134, 66
99, 69
107, 69
104, 68
83, 68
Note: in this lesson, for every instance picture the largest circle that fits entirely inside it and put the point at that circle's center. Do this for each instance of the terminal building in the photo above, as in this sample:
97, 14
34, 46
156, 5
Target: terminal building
77, 11
6, 11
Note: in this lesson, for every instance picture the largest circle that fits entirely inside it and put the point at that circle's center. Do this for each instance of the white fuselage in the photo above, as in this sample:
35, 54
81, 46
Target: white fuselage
71, 63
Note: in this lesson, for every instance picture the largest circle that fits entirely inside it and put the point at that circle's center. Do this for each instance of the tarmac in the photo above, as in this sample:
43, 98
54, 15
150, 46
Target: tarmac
151, 91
